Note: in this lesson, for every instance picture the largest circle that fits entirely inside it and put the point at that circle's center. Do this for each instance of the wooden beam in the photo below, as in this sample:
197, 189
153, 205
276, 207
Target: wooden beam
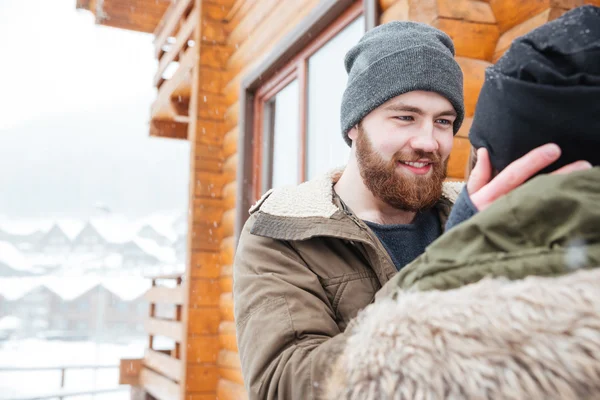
163, 107
170, 329
181, 40
227, 336
227, 390
164, 295
129, 371
174, 129
458, 158
158, 386
163, 364
169, 23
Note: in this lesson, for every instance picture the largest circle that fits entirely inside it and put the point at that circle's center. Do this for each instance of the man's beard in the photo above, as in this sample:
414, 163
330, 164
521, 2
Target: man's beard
404, 191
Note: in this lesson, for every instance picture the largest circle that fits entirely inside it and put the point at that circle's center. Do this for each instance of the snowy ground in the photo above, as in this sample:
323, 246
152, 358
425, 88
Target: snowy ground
37, 352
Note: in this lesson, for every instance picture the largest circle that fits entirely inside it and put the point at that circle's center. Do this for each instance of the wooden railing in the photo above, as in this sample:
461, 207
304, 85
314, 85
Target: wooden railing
61, 393
176, 54
159, 373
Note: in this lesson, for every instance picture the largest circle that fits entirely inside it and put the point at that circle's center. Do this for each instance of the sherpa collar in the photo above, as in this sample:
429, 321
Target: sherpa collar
314, 198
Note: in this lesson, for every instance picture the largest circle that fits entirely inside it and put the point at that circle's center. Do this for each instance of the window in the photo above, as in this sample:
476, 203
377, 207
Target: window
297, 111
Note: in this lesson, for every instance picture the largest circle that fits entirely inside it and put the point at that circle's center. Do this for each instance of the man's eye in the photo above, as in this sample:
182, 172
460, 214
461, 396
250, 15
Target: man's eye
405, 118
443, 121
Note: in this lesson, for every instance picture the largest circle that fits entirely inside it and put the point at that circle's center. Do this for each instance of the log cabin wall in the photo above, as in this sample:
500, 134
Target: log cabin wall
233, 37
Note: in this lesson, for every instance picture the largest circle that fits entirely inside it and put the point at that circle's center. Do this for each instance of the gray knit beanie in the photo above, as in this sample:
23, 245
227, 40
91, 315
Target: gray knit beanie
396, 58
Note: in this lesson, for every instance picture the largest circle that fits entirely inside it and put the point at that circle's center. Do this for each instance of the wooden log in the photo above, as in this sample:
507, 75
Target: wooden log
169, 128
164, 295
398, 11
231, 90
226, 279
209, 185
227, 251
211, 106
227, 390
538, 20
226, 307
230, 195
280, 21
158, 386
231, 116
510, 13
211, 80
244, 28
474, 76
230, 142
385, 4
204, 292
209, 132
229, 366
203, 321
465, 127
212, 31
227, 336
202, 349
163, 364
170, 329
201, 378
228, 223
467, 10
204, 264
471, 39
459, 158
214, 56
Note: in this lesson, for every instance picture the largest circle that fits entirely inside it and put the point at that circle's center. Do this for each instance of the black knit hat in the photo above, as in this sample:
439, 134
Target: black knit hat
545, 89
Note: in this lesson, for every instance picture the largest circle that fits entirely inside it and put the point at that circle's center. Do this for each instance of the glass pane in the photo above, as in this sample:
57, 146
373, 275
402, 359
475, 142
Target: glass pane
286, 139
326, 83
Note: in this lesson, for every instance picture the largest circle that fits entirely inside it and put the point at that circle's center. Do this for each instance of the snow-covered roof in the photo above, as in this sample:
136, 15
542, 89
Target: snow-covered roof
115, 229
15, 288
164, 254
161, 223
71, 287
10, 322
12, 257
129, 288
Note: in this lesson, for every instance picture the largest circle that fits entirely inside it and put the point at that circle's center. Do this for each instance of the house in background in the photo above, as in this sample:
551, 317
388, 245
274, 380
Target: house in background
88, 240
255, 86
13, 262
149, 232
76, 308
54, 242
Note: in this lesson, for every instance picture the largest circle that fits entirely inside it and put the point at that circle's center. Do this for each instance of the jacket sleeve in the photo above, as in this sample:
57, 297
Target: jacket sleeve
286, 329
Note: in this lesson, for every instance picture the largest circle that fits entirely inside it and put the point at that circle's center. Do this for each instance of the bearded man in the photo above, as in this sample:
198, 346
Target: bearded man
310, 257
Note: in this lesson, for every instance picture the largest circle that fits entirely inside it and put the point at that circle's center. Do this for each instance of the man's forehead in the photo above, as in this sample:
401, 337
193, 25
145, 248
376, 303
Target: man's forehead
426, 102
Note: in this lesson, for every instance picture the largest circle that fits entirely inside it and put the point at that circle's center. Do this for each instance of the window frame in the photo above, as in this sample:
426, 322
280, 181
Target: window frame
288, 61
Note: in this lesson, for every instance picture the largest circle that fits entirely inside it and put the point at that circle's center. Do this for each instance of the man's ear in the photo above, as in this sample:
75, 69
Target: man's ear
353, 133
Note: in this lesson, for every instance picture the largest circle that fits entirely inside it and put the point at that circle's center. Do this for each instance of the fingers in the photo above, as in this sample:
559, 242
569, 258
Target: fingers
576, 166
515, 174
481, 173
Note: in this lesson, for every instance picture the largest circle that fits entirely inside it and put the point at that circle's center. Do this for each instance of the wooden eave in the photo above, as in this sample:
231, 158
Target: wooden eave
134, 15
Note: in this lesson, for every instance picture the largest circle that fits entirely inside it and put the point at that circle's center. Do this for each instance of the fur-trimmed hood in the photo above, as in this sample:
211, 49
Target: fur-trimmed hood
537, 338
499, 307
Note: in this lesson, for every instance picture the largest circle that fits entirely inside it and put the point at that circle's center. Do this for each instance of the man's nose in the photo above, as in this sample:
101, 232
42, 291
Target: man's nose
425, 142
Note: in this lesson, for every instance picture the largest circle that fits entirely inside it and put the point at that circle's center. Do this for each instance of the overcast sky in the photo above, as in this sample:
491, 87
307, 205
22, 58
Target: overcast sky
74, 113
